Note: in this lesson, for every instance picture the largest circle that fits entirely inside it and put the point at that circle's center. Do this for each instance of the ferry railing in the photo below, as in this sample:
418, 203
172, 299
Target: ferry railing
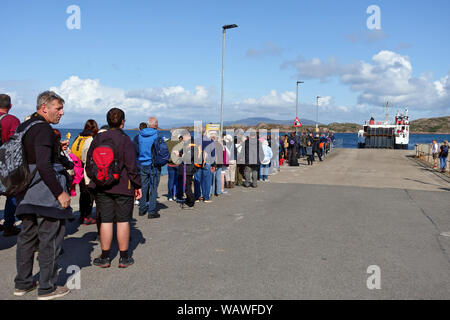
424, 153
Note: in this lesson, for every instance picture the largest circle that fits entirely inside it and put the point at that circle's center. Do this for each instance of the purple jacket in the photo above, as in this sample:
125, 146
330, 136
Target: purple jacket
130, 178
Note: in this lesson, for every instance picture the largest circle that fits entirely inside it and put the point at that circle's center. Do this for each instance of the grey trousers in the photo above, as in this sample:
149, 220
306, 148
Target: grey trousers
48, 234
251, 176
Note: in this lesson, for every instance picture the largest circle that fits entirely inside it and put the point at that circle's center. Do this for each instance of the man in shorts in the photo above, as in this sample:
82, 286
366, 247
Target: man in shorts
115, 202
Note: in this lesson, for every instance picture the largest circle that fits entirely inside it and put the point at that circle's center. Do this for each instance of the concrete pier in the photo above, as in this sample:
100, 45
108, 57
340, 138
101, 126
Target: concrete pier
312, 232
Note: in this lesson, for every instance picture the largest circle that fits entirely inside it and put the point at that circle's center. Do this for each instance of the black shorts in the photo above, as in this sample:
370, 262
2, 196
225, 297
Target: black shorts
114, 207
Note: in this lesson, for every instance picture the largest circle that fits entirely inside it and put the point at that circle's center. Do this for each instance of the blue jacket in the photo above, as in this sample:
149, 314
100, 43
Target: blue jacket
146, 139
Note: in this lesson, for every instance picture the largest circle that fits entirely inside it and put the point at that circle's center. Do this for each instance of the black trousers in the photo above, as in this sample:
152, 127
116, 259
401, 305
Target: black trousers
48, 234
190, 198
86, 201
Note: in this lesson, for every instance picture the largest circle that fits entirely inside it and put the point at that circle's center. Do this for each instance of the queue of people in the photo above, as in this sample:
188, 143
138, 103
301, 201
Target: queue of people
304, 145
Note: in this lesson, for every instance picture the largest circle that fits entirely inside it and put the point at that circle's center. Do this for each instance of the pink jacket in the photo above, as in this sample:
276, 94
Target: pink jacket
79, 173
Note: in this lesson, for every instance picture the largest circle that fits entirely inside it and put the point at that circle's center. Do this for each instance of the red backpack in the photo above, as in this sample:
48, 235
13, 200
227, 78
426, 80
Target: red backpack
102, 165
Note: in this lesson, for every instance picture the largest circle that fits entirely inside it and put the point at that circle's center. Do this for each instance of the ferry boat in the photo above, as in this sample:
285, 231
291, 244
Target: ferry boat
386, 135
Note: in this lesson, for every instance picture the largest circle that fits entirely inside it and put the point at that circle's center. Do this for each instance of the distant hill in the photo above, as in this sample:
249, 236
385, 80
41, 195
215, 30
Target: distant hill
431, 125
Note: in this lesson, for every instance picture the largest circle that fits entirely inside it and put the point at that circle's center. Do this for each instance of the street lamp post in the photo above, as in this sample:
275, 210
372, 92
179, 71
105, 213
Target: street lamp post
317, 114
224, 28
296, 105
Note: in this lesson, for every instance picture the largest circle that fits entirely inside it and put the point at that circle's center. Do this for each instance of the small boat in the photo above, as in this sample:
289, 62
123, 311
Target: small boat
385, 135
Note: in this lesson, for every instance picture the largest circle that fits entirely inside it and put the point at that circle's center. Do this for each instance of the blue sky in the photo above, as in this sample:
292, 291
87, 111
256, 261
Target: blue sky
164, 58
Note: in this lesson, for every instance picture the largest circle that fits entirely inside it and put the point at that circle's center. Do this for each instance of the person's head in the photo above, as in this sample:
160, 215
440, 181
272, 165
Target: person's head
50, 106
115, 118
187, 136
142, 126
91, 125
153, 123
309, 142
446, 142
434, 141
5, 102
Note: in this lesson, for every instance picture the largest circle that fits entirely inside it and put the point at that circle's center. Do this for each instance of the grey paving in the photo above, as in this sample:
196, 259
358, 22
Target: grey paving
291, 238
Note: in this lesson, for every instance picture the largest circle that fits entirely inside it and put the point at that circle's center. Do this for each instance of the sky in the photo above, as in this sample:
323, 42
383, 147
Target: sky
164, 58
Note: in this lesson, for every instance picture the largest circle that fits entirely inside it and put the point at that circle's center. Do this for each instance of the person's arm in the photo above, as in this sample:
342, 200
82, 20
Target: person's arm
130, 164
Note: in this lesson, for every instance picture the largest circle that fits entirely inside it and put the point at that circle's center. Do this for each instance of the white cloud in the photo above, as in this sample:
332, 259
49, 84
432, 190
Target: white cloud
388, 77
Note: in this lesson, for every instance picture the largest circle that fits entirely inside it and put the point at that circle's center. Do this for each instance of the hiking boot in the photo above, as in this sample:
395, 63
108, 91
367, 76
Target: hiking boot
11, 231
102, 262
58, 293
21, 293
154, 216
125, 262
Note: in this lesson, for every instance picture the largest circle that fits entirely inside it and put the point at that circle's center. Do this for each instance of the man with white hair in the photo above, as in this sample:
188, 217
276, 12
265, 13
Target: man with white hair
150, 175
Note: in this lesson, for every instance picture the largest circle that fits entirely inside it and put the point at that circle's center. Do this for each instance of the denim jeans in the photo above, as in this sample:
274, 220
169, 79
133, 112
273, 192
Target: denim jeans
443, 162
202, 182
10, 210
175, 182
150, 181
216, 180
264, 171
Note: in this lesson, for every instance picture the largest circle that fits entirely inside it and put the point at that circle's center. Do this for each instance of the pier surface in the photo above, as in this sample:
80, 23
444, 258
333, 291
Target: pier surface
310, 233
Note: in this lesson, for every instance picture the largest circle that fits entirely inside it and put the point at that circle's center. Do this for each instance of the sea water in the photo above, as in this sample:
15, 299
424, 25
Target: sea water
343, 140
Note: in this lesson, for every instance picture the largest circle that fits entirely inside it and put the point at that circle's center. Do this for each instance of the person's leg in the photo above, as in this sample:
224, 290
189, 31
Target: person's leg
106, 235
190, 199
145, 179
206, 181
248, 176
171, 182
51, 235
27, 241
180, 186
9, 215
218, 179
222, 179
123, 235
254, 173
198, 184
154, 183
213, 184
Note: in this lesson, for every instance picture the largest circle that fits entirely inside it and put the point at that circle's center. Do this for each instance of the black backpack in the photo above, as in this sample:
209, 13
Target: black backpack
15, 175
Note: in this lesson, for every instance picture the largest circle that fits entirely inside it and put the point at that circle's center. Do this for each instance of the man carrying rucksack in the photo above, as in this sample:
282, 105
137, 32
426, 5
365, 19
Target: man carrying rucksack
150, 173
45, 203
8, 125
443, 155
111, 166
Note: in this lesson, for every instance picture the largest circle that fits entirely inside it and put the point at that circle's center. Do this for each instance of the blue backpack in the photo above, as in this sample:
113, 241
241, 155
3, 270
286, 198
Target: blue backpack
160, 153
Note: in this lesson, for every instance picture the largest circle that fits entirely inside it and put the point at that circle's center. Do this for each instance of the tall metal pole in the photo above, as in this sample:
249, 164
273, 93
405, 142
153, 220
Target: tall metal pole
296, 108
317, 115
223, 76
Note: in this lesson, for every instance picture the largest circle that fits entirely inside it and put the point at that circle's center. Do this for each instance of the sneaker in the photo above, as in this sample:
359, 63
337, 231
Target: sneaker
11, 231
58, 293
207, 201
154, 216
170, 199
102, 263
445, 234
125, 262
21, 293
136, 203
